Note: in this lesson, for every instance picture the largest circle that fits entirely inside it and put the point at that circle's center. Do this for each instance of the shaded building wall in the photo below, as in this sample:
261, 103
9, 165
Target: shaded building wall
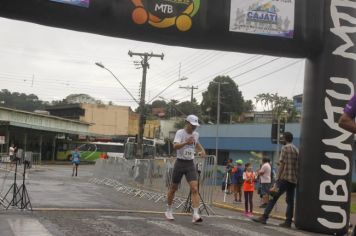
152, 129
133, 124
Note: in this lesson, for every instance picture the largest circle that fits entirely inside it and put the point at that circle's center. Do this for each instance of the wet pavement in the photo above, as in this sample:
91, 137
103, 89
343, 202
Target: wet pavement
65, 205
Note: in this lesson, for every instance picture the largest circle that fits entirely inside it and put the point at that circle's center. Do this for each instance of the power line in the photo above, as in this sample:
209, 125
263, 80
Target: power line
268, 74
261, 77
296, 80
191, 67
229, 69
168, 72
192, 91
255, 68
64, 85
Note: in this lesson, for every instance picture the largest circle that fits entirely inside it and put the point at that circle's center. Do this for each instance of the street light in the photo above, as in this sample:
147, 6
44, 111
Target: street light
181, 79
102, 66
217, 126
218, 117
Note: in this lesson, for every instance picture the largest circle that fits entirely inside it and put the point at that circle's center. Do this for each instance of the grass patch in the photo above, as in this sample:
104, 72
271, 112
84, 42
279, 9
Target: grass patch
353, 207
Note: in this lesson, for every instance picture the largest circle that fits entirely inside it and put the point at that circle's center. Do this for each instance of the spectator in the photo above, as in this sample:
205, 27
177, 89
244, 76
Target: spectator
237, 180
258, 185
18, 155
229, 168
248, 187
103, 156
286, 181
12, 152
265, 178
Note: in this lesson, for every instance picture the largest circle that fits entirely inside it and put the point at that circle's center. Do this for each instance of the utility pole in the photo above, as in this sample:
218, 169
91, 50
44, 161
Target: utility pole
192, 91
192, 94
144, 63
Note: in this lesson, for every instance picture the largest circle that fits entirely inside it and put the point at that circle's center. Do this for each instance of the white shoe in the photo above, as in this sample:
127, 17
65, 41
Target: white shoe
197, 219
169, 215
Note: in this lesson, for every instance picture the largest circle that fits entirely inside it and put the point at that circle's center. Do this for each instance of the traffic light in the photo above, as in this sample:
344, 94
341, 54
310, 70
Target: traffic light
274, 132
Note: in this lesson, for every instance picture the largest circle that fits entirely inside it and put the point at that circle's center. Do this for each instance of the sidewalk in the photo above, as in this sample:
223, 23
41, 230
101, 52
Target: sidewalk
278, 211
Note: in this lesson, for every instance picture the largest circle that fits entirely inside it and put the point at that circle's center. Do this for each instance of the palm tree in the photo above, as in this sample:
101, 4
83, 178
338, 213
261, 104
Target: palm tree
278, 105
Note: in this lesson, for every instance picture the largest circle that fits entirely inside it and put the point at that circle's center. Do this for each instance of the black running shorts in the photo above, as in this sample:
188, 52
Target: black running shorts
184, 167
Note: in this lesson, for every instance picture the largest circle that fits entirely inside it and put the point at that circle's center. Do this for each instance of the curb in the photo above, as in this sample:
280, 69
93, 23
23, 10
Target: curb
233, 208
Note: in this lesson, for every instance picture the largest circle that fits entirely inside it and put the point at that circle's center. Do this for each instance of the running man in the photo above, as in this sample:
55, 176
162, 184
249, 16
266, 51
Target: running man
75, 161
186, 142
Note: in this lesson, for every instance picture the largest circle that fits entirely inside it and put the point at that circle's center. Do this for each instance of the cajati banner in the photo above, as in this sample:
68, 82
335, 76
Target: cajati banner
264, 17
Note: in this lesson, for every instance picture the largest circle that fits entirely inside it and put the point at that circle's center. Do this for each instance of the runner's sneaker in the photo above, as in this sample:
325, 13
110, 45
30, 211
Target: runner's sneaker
169, 215
197, 218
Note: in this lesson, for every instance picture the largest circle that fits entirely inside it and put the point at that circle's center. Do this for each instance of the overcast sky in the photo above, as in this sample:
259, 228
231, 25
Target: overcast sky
53, 63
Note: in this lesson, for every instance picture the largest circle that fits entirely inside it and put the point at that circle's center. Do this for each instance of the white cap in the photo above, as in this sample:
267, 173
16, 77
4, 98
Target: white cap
193, 120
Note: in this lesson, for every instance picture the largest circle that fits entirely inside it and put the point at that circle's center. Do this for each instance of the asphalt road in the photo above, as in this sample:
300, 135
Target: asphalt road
65, 205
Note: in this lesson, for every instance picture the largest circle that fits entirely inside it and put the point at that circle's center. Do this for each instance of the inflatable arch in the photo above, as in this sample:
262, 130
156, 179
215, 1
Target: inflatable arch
323, 31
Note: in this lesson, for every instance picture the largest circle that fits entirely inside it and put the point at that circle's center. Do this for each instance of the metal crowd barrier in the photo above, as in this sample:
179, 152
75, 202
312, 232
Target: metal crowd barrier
36, 159
32, 158
5, 158
151, 178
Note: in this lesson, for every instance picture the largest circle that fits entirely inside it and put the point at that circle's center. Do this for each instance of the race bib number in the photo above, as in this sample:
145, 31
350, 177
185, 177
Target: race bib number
188, 153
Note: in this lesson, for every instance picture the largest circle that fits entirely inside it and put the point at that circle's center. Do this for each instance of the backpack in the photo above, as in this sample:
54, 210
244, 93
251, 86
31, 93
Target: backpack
239, 175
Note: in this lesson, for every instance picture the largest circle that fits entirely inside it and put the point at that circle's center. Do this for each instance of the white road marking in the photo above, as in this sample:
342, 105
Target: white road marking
287, 231
124, 217
28, 227
106, 227
237, 229
237, 217
177, 229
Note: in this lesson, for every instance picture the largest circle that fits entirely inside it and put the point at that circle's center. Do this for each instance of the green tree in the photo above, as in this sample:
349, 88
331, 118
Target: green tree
248, 106
179, 124
159, 104
77, 98
281, 107
187, 108
231, 100
20, 101
172, 109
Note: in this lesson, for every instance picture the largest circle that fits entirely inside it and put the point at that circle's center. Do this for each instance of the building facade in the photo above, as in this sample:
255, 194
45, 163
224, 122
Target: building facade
105, 120
36, 133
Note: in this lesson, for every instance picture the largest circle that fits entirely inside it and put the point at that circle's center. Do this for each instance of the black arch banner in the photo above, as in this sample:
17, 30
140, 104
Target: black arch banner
200, 23
323, 32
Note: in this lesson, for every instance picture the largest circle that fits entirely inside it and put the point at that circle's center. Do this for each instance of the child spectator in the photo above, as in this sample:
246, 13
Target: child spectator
248, 187
237, 180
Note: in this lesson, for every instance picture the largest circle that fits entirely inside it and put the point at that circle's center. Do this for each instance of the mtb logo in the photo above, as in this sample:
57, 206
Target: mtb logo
165, 13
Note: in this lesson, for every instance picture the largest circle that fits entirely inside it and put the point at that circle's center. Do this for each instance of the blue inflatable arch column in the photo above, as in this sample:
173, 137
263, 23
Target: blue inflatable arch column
324, 33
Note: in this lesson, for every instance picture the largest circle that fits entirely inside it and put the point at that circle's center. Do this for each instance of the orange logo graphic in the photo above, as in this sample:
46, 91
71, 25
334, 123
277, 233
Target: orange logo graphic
165, 13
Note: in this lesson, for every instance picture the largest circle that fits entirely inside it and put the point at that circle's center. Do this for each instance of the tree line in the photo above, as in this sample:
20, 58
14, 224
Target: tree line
232, 103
